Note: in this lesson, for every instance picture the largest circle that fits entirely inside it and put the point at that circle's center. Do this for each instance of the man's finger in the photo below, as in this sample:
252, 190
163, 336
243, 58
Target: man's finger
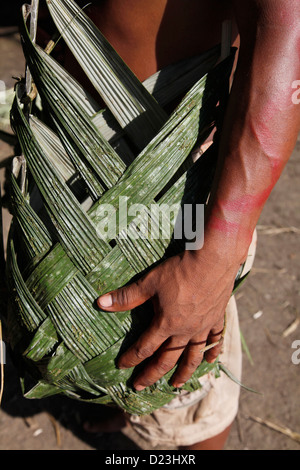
191, 359
164, 360
215, 336
125, 298
144, 347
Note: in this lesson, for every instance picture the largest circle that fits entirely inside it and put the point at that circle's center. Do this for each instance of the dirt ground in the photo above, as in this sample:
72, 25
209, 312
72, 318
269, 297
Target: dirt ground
268, 303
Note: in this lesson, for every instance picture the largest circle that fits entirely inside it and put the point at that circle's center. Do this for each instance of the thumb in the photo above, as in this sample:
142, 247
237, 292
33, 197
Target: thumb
125, 298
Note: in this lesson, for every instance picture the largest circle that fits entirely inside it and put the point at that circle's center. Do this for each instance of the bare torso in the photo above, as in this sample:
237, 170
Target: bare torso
150, 34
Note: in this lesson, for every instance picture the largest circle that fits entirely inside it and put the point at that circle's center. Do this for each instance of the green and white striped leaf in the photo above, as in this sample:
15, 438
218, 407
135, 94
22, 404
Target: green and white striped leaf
133, 107
80, 157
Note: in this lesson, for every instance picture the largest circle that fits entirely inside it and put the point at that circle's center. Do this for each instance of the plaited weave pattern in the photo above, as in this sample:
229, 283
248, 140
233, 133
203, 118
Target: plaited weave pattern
77, 158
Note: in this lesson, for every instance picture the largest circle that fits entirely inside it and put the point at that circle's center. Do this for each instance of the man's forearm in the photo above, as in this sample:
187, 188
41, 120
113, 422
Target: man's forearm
190, 291
260, 127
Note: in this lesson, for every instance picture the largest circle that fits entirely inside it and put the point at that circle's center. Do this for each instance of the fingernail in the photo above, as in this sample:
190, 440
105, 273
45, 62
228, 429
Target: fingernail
179, 385
105, 300
139, 387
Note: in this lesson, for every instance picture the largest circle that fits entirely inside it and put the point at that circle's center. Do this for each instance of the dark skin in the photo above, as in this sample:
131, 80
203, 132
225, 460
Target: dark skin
143, 32
190, 291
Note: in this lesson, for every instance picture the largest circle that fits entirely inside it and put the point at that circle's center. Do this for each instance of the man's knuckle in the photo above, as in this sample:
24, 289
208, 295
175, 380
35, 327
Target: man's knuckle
164, 366
213, 353
142, 284
193, 363
122, 296
142, 352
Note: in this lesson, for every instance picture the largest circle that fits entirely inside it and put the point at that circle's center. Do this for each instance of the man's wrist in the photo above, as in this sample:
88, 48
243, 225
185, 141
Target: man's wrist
225, 243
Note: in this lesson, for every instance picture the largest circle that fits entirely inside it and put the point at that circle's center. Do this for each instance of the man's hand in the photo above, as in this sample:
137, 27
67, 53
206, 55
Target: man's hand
189, 294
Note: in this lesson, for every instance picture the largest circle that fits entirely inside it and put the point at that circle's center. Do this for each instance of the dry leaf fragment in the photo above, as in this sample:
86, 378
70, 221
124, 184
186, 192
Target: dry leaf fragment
282, 429
291, 328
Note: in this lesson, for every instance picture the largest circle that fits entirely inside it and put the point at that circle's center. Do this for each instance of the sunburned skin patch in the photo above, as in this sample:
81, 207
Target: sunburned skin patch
247, 203
287, 17
271, 146
228, 227
222, 225
264, 127
223, 215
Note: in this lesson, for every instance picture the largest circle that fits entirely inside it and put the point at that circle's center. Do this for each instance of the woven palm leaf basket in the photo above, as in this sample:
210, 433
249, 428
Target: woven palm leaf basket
77, 158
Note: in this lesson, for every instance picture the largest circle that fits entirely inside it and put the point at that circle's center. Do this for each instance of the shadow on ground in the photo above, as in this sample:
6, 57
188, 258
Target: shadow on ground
62, 412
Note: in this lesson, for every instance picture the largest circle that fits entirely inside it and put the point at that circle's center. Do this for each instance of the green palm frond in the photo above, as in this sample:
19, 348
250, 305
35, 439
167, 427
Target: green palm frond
78, 158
